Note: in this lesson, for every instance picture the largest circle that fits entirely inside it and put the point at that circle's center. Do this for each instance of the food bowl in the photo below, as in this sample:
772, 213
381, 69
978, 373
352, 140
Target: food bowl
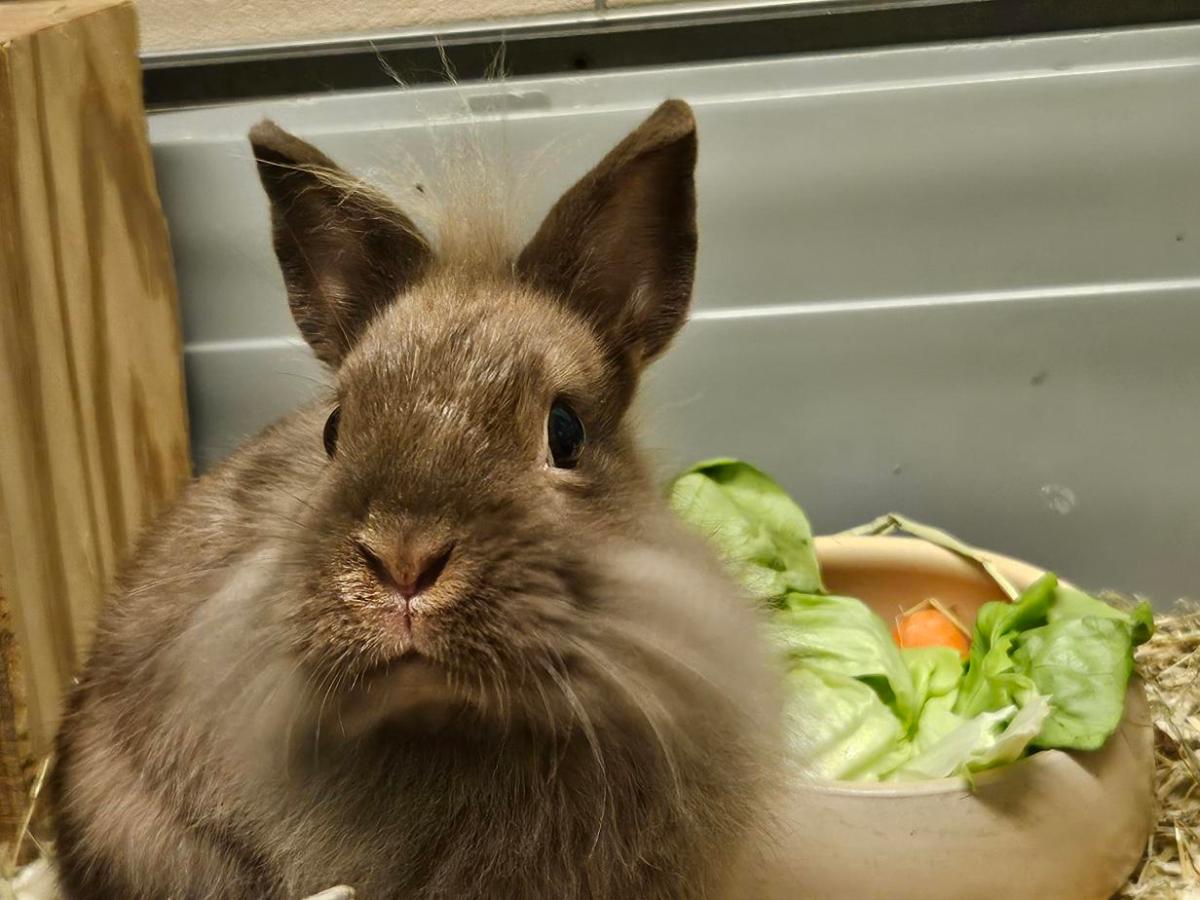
1052, 826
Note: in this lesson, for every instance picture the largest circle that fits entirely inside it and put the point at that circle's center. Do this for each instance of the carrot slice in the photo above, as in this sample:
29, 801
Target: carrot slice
930, 628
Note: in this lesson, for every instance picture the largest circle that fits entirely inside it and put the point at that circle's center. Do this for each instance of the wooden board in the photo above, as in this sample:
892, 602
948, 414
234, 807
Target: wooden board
91, 385
16, 758
22, 18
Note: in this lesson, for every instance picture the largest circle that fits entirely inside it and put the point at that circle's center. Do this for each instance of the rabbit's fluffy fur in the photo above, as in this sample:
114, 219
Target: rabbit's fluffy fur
577, 705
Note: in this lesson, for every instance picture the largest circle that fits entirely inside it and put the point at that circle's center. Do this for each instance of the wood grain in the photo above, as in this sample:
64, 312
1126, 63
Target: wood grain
91, 386
16, 758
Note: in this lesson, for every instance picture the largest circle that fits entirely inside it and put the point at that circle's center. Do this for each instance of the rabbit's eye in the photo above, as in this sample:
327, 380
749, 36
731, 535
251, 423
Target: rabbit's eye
331, 430
566, 435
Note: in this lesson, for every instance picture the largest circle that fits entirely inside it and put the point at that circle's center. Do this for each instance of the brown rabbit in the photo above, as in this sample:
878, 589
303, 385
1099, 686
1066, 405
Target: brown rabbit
437, 636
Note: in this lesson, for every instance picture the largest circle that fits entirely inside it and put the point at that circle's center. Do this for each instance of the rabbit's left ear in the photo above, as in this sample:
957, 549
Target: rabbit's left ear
346, 251
619, 248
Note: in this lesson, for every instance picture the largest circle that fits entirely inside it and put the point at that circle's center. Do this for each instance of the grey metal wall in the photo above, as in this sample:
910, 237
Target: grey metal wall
959, 281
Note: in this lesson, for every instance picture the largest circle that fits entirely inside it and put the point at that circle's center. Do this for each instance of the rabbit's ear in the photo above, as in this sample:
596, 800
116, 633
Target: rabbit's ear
345, 250
620, 246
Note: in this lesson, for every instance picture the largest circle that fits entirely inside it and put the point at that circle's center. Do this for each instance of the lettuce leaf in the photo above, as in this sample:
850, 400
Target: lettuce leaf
981, 742
838, 726
1070, 603
1084, 665
1055, 641
757, 527
993, 680
841, 636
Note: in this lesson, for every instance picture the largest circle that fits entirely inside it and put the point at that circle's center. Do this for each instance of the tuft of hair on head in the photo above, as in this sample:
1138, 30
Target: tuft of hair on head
470, 201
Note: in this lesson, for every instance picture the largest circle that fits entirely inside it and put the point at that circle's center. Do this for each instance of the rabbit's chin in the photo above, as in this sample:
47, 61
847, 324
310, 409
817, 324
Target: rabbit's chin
411, 691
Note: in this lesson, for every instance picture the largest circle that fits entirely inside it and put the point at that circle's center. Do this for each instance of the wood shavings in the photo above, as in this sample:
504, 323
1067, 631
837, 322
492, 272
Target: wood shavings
1170, 665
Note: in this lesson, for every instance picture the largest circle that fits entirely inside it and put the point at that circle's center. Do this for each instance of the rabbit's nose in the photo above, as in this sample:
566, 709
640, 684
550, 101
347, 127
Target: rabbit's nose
408, 570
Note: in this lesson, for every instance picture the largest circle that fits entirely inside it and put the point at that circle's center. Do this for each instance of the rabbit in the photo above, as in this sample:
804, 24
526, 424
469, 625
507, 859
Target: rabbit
437, 635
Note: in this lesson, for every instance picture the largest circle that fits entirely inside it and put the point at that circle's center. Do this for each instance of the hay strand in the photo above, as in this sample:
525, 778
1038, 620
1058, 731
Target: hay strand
1169, 663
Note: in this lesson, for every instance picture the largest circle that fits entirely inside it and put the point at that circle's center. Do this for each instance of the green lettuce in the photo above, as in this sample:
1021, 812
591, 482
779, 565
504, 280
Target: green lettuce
840, 635
982, 742
1047, 670
1056, 641
753, 522
862, 709
839, 726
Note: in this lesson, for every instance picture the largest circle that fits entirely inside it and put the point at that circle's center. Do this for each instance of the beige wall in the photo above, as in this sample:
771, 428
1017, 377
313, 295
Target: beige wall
180, 24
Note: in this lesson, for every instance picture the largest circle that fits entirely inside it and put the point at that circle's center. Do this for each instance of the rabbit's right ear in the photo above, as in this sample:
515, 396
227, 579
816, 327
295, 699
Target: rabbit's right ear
345, 250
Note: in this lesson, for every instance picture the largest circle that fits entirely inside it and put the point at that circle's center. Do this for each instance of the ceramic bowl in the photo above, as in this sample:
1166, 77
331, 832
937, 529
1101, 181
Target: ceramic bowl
1053, 826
